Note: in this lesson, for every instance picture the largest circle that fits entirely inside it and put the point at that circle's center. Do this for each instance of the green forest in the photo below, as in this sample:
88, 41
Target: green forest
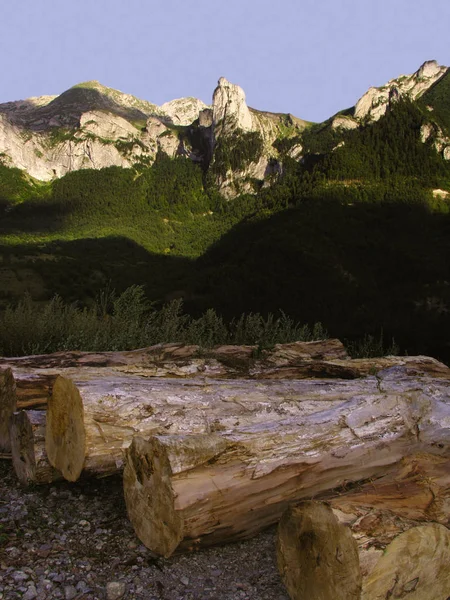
350, 237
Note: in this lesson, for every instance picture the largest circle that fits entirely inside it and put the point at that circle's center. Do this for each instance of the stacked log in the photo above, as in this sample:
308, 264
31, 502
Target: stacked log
8, 403
35, 376
91, 422
29, 457
217, 446
320, 558
185, 491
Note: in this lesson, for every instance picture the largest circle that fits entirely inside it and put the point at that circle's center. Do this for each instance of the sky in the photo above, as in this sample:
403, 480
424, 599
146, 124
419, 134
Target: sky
311, 58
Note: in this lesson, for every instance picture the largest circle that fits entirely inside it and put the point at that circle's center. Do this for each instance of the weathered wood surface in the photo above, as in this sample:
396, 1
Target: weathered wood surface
367, 555
91, 422
31, 391
323, 358
418, 489
8, 404
185, 491
183, 361
29, 457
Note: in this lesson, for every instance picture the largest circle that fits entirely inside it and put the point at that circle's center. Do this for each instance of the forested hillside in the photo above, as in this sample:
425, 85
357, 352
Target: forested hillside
355, 234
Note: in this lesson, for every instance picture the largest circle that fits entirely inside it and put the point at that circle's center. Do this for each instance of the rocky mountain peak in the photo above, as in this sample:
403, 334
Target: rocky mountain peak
374, 103
430, 68
183, 111
230, 110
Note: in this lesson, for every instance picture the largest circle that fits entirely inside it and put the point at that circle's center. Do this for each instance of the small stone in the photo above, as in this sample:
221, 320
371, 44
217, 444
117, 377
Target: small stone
184, 580
216, 573
85, 525
19, 576
30, 594
70, 592
115, 590
82, 586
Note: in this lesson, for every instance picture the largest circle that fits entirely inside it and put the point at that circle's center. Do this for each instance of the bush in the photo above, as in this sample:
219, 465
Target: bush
129, 321
371, 347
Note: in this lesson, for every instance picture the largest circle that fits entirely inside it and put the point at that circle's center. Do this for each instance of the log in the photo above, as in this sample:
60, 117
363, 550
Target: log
374, 554
34, 390
185, 361
91, 422
8, 404
29, 457
323, 358
183, 492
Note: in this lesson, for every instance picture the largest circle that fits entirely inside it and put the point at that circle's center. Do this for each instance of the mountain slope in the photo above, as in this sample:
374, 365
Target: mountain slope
344, 222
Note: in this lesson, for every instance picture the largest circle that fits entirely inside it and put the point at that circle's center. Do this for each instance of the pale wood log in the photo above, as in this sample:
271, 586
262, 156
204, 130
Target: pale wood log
92, 421
187, 491
8, 404
102, 415
368, 555
29, 457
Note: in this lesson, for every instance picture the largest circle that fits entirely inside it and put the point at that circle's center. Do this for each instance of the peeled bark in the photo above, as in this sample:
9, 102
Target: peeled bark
91, 422
8, 404
374, 554
183, 492
30, 462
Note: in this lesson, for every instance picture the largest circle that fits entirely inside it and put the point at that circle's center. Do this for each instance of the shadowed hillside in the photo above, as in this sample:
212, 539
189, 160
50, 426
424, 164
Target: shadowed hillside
359, 268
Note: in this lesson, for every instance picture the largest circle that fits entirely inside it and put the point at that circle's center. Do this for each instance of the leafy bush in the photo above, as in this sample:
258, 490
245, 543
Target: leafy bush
128, 321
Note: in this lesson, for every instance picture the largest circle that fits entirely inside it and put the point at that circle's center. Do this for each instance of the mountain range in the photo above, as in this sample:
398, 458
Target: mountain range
223, 205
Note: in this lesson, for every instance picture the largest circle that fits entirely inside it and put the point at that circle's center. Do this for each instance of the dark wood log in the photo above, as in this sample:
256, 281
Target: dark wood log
8, 404
185, 491
29, 457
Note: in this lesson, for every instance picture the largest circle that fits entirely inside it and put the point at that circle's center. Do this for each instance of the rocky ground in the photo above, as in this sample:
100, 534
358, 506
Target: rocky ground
74, 541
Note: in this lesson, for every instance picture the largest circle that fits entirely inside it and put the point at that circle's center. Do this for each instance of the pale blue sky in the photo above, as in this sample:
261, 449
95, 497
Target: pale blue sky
308, 57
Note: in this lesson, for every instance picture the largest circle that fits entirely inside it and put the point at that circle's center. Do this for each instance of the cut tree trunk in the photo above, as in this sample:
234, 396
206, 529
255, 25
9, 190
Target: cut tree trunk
27, 430
90, 423
322, 358
8, 404
231, 358
185, 491
366, 553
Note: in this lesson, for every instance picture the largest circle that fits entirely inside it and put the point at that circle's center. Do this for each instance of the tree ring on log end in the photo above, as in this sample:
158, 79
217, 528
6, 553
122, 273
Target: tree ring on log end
65, 438
415, 565
317, 556
149, 496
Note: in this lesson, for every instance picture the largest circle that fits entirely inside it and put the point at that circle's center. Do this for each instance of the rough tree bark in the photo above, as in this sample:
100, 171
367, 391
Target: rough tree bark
350, 549
186, 491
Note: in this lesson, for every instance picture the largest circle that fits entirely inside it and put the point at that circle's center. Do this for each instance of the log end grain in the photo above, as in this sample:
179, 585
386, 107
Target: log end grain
317, 556
65, 438
149, 496
414, 566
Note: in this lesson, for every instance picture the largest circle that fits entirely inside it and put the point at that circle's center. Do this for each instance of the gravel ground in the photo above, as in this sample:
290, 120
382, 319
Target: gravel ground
73, 541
